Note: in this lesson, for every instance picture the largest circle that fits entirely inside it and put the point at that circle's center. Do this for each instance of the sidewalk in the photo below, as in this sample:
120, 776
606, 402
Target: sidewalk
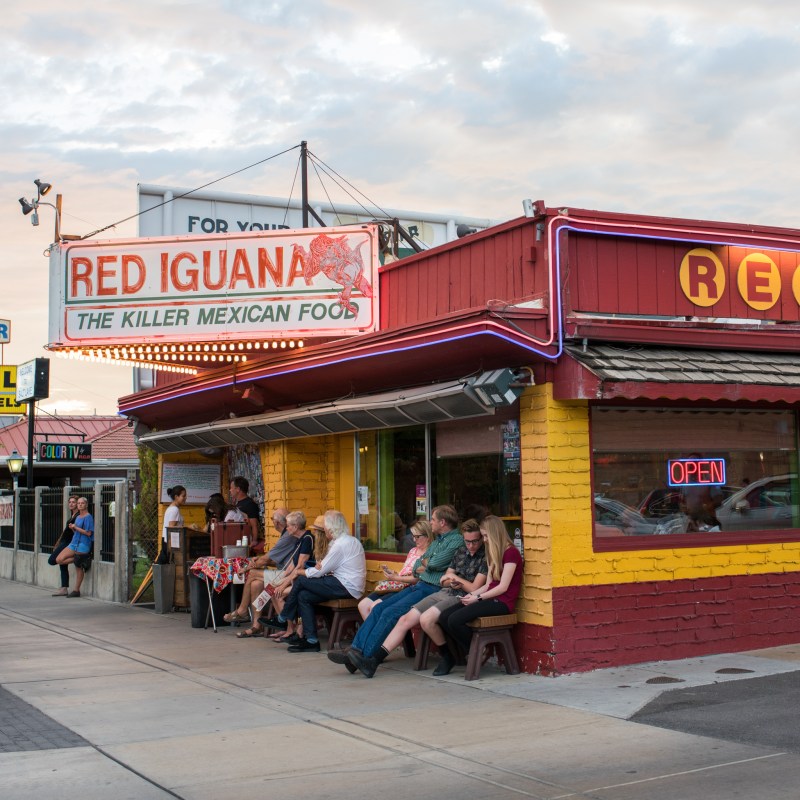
152, 708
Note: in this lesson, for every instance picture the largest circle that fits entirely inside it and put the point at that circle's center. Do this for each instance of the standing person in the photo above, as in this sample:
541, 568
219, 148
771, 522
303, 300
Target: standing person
172, 516
342, 573
63, 542
215, 509
497, 597
82, 542
240, 499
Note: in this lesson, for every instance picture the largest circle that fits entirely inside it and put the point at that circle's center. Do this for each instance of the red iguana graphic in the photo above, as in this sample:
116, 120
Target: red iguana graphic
339, 262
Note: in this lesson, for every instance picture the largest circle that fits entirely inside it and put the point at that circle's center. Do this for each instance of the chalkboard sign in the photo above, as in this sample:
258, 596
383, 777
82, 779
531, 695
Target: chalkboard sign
200, 480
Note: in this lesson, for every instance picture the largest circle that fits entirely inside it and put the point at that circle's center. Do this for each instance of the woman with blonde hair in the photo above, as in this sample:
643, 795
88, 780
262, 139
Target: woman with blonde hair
497, 596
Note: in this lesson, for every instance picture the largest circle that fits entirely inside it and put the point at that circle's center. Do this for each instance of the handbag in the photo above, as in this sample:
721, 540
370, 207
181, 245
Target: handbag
83, 560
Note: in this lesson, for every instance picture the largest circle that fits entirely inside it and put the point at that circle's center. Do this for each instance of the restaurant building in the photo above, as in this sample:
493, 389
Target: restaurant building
621, 389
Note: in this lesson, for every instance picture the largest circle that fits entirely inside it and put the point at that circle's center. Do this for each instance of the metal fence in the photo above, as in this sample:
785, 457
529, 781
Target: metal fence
51, 507
39, 518
26, 513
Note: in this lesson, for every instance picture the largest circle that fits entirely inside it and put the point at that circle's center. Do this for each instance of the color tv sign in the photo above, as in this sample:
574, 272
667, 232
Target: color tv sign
238, 287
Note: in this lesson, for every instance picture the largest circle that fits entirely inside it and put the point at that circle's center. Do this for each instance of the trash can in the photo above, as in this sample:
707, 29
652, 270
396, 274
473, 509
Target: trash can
163, 587
198, 600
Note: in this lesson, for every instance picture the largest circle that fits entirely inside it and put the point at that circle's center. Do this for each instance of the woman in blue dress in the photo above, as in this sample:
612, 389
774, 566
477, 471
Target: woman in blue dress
82, 543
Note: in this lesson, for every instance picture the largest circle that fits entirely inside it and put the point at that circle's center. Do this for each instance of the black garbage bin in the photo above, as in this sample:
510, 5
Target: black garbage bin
198, 601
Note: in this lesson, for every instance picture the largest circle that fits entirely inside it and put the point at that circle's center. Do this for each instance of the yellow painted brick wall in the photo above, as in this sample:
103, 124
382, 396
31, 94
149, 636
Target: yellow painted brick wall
535, 605
557, 492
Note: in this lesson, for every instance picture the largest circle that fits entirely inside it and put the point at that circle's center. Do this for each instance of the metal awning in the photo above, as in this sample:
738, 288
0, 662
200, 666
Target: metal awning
606, 371
435, 403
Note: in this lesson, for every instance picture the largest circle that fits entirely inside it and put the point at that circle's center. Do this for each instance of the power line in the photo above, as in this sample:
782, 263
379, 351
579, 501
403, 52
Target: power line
192, 191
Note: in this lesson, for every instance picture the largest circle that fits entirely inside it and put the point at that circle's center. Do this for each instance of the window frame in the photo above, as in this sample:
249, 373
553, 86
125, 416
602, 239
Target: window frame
622, 543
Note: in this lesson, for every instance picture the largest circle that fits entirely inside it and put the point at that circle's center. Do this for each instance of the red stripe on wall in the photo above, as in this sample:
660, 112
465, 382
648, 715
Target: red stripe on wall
618, 624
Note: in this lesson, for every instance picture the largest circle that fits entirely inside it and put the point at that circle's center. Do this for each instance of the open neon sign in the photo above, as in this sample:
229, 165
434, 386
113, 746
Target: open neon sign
696, 471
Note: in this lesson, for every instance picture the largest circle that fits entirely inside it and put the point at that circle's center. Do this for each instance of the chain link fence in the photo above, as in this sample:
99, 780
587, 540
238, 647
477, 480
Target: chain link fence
143, 542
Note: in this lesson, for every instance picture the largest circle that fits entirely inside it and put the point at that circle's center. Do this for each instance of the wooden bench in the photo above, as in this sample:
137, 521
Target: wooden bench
338, 615
486, 631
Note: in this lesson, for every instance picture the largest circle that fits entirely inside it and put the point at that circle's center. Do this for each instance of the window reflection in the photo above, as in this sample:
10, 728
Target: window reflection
633, 495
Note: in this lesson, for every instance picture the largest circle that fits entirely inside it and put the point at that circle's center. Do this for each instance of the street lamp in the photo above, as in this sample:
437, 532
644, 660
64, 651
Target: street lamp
14, 463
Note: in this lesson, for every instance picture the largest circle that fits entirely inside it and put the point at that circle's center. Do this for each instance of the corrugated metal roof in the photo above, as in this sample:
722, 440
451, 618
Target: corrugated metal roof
670, 365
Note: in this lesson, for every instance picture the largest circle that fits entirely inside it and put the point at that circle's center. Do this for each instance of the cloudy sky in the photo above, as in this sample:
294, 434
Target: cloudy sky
671, 108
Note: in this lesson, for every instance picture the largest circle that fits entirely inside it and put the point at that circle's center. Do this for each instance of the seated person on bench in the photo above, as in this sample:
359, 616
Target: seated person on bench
466, 573
396, 581
498, 597
342, 573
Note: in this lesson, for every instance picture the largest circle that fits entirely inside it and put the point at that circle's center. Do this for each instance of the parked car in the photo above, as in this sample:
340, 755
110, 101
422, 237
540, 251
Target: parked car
769, 503
665, 502
613, 518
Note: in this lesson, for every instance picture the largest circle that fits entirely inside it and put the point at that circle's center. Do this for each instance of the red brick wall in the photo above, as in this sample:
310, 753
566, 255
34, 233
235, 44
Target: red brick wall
613, 625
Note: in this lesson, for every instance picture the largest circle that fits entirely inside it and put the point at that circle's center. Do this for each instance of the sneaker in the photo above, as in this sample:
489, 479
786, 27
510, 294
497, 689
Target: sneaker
63, 592
304, 646
74, 594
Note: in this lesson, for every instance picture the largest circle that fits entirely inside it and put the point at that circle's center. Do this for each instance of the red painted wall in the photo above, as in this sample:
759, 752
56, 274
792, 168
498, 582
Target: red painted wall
503, 263
613, 625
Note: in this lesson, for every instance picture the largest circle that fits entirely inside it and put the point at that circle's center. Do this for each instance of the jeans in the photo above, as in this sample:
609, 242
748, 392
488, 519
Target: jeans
378, 625
63, 543
305, 594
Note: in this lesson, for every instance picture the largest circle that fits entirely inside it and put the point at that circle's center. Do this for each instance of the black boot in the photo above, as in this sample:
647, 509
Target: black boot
446, 663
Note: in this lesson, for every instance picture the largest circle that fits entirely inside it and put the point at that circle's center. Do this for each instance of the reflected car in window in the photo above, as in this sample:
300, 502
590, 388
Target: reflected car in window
771, 502
613, 518
666, 502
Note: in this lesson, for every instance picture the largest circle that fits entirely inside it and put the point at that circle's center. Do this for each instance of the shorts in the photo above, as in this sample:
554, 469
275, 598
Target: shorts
80, 544
442, 599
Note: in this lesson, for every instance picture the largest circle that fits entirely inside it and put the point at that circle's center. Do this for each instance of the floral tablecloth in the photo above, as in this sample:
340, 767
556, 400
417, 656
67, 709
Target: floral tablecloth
219, 571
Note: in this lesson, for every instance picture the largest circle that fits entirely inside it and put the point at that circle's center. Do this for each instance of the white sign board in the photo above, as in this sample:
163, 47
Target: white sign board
5, 331
167, 210
200, 480
246, 286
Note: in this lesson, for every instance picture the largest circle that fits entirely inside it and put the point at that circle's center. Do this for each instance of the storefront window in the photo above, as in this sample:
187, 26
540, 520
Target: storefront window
392, 486
473, 465
693, 471
477, 465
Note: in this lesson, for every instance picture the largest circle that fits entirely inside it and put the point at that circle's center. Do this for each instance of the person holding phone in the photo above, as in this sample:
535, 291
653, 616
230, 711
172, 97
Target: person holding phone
397, 581
466, 573
497, 597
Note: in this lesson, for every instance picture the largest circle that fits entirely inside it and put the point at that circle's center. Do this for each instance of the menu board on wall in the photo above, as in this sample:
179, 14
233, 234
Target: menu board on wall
200, 480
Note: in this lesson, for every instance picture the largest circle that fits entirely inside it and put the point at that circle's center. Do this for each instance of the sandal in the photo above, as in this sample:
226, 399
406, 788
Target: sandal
250, 633
234, 616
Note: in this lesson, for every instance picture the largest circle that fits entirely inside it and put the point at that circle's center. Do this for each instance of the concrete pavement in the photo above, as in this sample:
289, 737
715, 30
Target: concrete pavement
152, 708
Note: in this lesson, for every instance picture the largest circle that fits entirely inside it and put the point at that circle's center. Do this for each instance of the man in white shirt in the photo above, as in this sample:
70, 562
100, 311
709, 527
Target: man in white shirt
342, 573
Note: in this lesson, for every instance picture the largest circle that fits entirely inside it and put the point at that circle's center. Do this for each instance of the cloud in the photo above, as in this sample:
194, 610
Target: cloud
676, 108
